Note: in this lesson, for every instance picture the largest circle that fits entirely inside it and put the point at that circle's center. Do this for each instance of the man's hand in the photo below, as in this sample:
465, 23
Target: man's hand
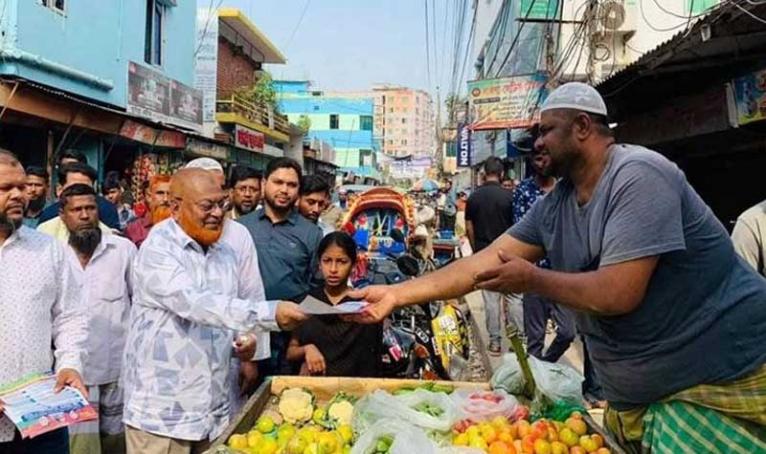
70, 377
383, 300
248, 377
289, 315
245, 346
513, 275
314, 360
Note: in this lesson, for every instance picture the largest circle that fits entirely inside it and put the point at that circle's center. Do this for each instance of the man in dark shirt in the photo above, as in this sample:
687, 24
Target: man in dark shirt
286, 243
157, 201
488, 214
86, 174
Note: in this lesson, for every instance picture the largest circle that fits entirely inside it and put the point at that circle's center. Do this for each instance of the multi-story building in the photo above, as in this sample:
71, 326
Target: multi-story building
404, 121
343, 120
230, 60
106, 78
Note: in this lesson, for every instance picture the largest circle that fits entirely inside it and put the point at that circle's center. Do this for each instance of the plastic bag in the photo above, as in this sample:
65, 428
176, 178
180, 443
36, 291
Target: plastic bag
381, 405
479, 405
407, 439
556, 381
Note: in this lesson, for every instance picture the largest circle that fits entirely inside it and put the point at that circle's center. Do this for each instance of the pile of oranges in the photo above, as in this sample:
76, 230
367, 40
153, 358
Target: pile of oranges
501, 436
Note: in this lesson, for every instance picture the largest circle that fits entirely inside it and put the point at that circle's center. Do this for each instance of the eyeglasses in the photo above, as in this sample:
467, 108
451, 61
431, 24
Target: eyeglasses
207, 206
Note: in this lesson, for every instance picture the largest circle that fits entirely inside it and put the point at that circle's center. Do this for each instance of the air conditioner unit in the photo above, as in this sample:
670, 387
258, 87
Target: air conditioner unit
617, 16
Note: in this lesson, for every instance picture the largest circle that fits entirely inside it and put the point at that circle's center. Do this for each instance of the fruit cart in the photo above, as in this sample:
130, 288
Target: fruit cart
263, 405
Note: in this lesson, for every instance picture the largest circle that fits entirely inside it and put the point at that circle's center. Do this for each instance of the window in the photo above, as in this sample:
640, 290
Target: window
390, 110
404, 141
155, 12
57, 5
365, 122
334, 121
404, 121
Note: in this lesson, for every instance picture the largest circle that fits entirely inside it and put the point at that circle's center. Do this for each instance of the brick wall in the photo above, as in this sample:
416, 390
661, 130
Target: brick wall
234, 70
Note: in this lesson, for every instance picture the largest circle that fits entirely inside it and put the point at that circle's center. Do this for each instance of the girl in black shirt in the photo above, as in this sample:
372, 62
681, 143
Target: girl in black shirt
327, 345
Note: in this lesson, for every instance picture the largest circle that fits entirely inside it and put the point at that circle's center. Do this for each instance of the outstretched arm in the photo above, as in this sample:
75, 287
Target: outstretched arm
455, 280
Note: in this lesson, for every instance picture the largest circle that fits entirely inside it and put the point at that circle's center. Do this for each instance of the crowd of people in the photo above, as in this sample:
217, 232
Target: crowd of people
166, 313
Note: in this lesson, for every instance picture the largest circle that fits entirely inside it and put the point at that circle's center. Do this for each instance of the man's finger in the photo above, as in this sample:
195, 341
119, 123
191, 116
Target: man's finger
491, 273
494, 284
503, 256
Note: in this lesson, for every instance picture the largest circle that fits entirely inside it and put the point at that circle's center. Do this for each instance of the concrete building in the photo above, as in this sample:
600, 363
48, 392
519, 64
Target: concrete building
404, 121
343, 120
110, 79
232, 52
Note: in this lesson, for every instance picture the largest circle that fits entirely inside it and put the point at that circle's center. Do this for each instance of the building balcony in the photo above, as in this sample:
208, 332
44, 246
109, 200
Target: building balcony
239, 110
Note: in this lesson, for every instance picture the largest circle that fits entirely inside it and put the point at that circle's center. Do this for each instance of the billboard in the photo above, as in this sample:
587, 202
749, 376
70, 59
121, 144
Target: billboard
463, 145
206, 64
510, 102
161, 99
750, 97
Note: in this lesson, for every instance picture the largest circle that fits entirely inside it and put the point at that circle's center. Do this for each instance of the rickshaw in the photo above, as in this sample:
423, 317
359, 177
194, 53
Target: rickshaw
428, 341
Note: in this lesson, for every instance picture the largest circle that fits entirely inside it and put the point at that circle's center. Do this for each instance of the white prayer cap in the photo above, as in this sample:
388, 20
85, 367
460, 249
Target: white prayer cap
577, 96
204, 164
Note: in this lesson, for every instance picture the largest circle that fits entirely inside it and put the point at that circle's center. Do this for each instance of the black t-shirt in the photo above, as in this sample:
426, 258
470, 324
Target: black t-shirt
490, 209
349, 349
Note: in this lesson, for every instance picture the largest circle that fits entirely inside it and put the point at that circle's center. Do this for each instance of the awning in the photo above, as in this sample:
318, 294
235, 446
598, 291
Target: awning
246, 31
725, 43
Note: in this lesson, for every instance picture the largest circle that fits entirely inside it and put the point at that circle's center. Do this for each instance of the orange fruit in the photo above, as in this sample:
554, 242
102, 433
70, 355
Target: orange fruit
603, 451
558, 447
505, 436
498, 447
578, 426
598, 439
542, 447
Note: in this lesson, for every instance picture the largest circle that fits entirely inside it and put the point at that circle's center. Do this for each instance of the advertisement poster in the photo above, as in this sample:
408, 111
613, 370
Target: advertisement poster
158, 98
750, 97
510, 102
463, 145
35, 409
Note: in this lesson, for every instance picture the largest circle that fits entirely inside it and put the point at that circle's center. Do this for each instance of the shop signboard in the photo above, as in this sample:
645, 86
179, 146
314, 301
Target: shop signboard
510, 102
248, 139
161, 99
750, 97
134, 130
463, 145
208, 149
538, 9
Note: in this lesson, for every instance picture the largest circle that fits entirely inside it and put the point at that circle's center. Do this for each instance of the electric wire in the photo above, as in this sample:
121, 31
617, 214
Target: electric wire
297, 25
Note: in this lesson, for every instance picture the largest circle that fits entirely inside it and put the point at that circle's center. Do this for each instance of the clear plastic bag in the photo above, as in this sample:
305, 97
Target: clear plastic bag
381, 405
556, 381
479, 405
407, 439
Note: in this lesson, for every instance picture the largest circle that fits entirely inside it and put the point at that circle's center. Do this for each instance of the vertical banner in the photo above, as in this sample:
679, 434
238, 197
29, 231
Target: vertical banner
206, 65
463, 145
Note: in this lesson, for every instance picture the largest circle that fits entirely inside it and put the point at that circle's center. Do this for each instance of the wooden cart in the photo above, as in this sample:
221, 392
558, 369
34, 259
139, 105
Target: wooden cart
324, 388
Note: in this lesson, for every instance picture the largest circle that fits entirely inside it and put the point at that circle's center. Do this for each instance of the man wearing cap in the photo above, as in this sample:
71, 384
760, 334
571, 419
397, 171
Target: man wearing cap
674, 319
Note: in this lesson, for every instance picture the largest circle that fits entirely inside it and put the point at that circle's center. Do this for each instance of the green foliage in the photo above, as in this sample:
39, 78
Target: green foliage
262, 92
304, 123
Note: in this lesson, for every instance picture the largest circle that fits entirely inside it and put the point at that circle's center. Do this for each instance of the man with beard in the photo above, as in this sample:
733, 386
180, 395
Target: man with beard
41, 317
245, 184
69, 174
190, 297
314, 200
287, 244
537, 309
157, 200
673, 318
37, 194
103, 265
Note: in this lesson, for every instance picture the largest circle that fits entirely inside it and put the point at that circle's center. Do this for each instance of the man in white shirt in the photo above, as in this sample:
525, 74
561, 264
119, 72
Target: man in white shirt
40, 307
749, 237
190, 299
103, 266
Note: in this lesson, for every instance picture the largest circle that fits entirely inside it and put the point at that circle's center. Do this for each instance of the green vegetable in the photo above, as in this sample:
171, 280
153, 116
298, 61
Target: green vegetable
427, 408
429, 386
383, 444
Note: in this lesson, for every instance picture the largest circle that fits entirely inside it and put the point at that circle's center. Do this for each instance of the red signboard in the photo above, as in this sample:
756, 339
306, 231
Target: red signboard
249, 139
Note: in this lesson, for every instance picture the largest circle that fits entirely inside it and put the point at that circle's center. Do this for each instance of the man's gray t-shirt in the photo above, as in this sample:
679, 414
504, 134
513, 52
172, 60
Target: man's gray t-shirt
703, 318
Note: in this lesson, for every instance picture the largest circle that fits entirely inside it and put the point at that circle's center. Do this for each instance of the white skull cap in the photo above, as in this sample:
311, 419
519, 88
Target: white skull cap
204, 164
577, 96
